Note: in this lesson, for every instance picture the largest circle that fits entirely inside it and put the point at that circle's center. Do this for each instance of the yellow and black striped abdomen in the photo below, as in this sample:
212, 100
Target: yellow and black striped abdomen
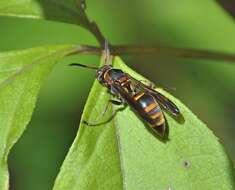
151, 112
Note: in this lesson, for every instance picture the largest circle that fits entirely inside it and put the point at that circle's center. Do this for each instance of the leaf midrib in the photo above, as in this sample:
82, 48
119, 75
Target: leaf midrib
122, 169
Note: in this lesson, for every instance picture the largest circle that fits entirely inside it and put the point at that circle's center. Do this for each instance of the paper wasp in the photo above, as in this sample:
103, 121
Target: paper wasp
143, 99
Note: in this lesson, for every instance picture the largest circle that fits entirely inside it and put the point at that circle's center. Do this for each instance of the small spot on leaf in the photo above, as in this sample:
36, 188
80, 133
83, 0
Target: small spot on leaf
186, 164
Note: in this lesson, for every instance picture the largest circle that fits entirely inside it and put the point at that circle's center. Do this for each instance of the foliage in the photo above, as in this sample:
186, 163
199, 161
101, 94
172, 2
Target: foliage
120, 153
22, 74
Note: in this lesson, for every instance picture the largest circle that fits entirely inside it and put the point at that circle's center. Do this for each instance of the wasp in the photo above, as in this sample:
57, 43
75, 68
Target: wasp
143, 99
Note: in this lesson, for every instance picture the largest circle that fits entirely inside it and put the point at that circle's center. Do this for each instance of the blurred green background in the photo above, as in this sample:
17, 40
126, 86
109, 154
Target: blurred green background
206, 87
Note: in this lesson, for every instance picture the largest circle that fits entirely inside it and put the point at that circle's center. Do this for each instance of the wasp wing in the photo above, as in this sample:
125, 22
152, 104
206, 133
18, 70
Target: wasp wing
165, 102
161, 99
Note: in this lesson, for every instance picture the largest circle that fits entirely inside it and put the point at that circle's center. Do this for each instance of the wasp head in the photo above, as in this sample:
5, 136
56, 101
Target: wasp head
101, 72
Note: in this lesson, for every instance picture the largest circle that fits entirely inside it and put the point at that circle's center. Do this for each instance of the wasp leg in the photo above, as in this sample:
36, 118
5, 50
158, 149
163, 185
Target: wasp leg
148, 83
170, 88
115, 102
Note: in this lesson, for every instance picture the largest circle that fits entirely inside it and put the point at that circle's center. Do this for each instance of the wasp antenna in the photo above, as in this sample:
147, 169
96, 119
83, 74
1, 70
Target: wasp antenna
169, 88
81, 65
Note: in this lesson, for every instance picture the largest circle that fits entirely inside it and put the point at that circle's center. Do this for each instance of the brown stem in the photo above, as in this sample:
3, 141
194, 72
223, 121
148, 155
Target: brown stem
159, 51
86, 49
135, 49
172, 52
90, 25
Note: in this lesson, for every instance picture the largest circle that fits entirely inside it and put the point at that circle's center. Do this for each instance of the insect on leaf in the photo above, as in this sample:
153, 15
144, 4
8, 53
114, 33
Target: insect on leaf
123, 154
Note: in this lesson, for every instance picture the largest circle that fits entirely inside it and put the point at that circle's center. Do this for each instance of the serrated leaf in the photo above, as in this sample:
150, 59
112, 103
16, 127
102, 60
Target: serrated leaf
21, 75
123, 154
57, 10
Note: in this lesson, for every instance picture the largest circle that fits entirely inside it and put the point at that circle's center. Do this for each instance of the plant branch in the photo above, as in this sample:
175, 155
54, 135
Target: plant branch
172, 52
86, 49
158, 51
90, 25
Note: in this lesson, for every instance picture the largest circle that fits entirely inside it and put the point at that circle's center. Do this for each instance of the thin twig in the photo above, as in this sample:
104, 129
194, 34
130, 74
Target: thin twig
90, 25
86, 49
158, 51
172, 52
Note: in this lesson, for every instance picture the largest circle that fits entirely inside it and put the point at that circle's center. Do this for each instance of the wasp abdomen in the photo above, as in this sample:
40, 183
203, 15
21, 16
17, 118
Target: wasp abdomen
152, 111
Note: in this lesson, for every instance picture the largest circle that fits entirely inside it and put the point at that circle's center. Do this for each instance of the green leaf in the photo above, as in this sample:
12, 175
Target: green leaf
123, 154
62, 11
21, 75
